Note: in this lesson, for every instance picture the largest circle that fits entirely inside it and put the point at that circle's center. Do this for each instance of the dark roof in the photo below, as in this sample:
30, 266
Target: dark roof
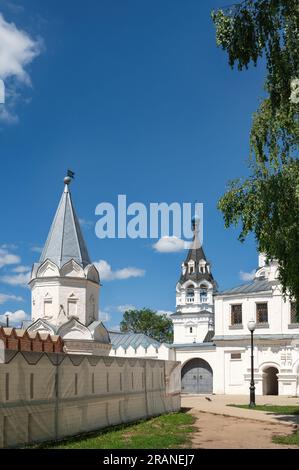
258, 285
209, 336
131, 339
196, 253
65, 240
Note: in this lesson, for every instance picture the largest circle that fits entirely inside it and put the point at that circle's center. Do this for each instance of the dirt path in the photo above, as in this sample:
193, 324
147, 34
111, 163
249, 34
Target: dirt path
227, 432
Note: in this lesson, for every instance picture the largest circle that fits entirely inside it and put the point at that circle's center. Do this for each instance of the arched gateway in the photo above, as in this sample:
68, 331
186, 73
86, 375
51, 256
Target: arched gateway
197, 377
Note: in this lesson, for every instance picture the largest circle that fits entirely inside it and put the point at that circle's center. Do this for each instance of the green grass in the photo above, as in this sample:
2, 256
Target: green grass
291, 439
282, 410
169, 431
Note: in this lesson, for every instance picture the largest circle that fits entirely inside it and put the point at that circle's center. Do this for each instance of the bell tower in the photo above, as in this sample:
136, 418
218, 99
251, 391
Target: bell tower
193, 320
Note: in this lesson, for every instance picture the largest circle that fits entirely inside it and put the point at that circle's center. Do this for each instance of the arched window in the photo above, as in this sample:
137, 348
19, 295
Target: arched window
190, 294
203, 293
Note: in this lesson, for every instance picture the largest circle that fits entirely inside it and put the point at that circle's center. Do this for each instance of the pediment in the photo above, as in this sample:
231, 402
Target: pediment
73, 329
92, 273
41, 326
71, 269
48, 269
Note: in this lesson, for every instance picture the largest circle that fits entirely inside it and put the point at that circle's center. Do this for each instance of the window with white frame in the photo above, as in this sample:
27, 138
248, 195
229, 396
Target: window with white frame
262, 312
293, 313
72, 307
190, 294
236, 314
48, 310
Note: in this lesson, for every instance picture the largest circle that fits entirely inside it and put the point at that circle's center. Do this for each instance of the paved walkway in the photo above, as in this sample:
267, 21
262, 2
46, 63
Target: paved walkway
217, 404
223, 427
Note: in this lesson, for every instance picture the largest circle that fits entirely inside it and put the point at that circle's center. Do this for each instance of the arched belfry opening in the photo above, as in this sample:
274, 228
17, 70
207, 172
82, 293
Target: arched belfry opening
270, 381
197, 377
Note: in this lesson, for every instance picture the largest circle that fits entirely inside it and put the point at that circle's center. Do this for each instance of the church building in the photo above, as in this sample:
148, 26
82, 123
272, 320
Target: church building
211, 338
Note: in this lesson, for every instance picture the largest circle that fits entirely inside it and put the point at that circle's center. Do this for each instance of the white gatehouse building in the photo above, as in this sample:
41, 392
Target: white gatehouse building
211, 338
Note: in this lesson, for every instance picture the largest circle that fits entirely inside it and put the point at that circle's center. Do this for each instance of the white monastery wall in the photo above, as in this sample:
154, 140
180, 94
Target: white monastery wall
51, 396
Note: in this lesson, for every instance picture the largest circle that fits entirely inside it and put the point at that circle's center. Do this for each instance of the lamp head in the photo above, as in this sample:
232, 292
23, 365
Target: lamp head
251, 325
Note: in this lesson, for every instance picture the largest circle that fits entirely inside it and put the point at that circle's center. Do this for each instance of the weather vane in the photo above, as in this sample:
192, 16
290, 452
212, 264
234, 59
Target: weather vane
70, 176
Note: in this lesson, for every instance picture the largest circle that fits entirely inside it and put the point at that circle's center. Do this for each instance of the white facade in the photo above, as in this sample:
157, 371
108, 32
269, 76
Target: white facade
59, 294
65, 286
226, 357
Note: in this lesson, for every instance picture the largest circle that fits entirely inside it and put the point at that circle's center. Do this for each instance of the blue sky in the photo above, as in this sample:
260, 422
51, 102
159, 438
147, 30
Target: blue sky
136, 98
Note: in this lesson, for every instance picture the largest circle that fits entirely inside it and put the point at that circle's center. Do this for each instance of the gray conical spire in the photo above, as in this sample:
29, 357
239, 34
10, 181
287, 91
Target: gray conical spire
65, 240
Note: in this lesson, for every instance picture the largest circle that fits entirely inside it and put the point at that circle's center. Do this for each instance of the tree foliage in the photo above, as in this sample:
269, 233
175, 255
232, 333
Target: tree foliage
152, 324
267, 203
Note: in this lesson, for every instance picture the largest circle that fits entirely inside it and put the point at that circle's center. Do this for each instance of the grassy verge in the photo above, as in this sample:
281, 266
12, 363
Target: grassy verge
291, 439
282, 410
169, 431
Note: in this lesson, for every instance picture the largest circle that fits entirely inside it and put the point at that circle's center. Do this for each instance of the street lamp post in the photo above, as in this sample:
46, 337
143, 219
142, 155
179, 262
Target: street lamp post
251, 327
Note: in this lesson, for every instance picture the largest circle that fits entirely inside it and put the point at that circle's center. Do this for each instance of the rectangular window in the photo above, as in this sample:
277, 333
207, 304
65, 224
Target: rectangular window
76, 384
7, 386
48, 308
72, 308
262, 312
293, 313
107, 381
235, 356
31, 386
92, 383
236, 314
120, 381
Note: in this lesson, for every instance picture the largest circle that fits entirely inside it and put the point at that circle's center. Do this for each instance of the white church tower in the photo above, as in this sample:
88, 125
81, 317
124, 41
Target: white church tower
64, 283
193, 320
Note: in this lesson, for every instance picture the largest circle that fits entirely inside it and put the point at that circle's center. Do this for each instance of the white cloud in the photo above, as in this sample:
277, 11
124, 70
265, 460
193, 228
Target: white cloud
14, 317
124, 308
170, 245
36, 249
107, 274
247, 276
17, 50
6, 298
21, 269
20, 279
104, 316
7, 258
164, 312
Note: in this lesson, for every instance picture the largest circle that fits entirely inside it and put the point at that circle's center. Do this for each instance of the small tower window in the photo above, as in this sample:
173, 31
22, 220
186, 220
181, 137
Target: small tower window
190, 294
47, 307
72, 307
203, 294
190, 329
191, 269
